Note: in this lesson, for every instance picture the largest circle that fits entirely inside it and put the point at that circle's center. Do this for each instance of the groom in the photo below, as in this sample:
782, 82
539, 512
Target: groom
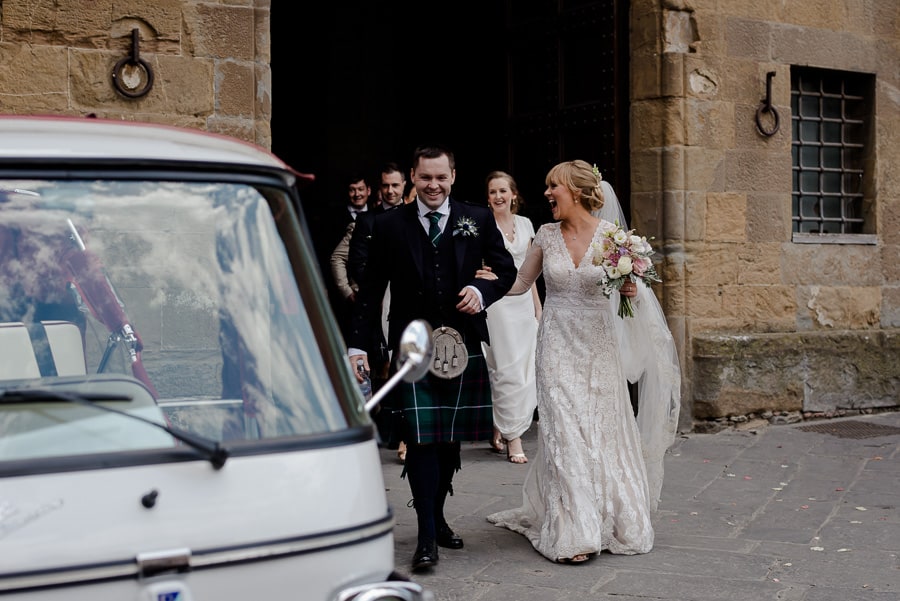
429, 251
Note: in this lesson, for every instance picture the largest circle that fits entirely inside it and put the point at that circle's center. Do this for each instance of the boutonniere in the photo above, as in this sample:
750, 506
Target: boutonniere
466, 227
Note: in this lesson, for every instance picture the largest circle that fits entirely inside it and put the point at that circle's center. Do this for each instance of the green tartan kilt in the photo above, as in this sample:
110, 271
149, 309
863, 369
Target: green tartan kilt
438, 410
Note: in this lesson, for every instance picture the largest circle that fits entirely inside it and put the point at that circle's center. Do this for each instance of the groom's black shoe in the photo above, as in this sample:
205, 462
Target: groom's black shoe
426, 556
448, 539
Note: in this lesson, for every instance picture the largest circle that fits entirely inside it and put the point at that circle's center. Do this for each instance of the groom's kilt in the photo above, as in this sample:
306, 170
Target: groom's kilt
438, 410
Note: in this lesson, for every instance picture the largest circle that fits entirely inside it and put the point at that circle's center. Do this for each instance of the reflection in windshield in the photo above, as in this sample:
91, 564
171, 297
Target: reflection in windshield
196, 270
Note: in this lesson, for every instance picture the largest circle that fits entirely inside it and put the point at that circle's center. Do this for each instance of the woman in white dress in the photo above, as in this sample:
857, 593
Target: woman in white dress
587, 489
512, 324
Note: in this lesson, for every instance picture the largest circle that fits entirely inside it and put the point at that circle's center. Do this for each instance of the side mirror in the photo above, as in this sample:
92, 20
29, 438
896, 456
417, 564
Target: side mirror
416, 349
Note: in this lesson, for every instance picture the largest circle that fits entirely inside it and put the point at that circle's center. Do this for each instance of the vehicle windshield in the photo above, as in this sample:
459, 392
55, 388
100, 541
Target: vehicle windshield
176, 296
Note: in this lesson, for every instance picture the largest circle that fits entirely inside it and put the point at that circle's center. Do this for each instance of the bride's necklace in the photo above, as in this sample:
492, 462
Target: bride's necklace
571, 232
566, 234
511, 234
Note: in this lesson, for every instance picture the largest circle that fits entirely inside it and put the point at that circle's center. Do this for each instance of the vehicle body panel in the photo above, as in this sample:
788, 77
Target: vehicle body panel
188, 426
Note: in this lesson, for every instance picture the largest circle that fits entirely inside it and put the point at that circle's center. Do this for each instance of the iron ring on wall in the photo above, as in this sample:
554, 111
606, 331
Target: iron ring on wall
766, 108
118, 77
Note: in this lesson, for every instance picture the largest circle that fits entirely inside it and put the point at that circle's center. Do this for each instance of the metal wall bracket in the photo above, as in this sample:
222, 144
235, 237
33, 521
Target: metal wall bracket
132, 76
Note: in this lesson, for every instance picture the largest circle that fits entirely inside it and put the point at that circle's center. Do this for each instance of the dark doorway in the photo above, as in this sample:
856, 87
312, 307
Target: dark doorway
507, 84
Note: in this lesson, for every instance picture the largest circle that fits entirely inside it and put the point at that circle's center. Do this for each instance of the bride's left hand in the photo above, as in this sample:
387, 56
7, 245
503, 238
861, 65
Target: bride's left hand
628, 289
485, 273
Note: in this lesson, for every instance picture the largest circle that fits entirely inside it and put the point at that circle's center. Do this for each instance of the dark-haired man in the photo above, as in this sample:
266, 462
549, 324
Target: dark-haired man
429, 251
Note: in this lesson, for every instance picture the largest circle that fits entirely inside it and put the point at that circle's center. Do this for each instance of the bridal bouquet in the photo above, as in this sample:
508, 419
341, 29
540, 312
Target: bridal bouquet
625, 257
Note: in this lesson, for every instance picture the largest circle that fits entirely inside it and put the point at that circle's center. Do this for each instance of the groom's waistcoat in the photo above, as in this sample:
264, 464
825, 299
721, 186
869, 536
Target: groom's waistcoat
440, 286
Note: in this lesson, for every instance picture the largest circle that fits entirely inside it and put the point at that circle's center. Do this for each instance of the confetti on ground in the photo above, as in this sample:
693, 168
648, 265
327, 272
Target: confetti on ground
784, 465
783, 483
695, 513
730, 475
861, 509
788, 564
775, 580
804, 507
706, 461
748, 477
817, 548
842, 550
778, 488
855, 522
839, 489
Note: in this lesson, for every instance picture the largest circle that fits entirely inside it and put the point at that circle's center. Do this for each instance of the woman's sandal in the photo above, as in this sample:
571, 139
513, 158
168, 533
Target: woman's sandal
497, 443
517, 458
580, 558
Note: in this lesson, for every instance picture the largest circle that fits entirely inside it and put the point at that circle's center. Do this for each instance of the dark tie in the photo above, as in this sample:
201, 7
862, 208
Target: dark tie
434, 231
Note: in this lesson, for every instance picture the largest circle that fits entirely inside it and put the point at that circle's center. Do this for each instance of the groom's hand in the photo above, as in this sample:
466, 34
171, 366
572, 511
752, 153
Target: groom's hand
469, 303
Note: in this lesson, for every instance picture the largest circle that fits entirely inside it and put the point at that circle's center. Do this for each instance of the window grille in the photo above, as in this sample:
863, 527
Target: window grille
830, 118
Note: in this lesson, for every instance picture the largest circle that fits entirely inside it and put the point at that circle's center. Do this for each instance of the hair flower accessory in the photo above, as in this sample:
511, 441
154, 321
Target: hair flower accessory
596, 172
465, 226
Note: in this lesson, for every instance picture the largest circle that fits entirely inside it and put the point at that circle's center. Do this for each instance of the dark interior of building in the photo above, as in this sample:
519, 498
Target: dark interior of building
516, 86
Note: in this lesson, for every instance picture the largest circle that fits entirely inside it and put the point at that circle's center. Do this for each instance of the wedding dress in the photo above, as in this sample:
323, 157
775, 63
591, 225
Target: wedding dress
586, 490
510, 356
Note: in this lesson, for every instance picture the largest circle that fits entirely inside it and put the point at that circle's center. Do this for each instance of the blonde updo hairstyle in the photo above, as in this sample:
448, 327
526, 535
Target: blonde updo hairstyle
581, 180
517, 201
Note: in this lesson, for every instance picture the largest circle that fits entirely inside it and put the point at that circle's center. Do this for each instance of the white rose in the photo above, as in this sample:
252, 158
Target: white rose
624, 266
612, 271
620, 237
606, 227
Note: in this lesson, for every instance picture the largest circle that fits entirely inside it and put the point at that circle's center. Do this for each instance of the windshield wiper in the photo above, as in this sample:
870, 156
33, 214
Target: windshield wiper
211, 449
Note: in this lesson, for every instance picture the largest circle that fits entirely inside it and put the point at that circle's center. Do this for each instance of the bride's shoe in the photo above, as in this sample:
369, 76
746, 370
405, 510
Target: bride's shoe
580, 558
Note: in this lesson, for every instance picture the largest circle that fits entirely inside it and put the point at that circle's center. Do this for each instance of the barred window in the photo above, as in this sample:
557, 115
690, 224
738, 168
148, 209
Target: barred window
831, 117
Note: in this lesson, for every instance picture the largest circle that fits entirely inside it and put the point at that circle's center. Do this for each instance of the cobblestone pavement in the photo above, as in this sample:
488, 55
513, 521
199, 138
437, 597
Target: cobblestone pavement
800, 512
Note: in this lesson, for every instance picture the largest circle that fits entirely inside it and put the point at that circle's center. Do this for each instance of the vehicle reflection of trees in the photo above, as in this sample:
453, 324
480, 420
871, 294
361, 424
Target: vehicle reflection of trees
48, 274
257, 294
269, 360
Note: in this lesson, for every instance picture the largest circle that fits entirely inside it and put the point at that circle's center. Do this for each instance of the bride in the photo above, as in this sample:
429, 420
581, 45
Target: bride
597, 473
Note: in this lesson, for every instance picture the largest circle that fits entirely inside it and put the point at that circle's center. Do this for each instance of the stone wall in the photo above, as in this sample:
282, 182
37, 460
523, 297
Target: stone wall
748, 307
763, 323
210, 61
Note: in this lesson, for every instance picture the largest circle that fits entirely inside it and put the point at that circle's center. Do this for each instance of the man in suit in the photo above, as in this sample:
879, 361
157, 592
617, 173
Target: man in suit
358, 193
350, 255
429, 252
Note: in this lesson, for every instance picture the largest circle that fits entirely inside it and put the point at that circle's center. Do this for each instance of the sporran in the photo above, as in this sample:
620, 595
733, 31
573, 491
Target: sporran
450, 354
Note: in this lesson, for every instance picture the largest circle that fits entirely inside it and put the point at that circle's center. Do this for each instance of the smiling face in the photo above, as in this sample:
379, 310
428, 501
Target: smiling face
392, 185
433, 179
561, 199
500, 195
359, 194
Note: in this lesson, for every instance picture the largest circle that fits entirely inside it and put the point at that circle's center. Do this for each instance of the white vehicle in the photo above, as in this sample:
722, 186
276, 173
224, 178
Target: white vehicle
178, 418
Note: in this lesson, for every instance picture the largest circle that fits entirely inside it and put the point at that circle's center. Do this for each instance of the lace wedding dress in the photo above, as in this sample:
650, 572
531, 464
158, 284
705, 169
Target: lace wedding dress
587, 489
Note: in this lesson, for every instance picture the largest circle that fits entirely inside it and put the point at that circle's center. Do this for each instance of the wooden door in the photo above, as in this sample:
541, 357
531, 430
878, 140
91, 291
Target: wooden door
567, 64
